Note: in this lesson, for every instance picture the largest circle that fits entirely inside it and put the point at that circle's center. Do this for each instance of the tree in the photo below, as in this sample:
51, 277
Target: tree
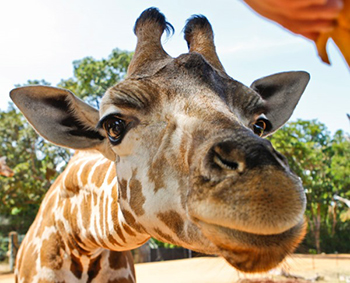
93, 77
322, 163
35, 163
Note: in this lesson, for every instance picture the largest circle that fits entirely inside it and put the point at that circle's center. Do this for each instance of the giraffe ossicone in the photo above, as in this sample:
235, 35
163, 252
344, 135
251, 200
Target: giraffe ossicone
175, 152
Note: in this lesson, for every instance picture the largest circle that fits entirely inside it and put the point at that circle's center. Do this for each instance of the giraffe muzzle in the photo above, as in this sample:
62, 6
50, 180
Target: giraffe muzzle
248, 203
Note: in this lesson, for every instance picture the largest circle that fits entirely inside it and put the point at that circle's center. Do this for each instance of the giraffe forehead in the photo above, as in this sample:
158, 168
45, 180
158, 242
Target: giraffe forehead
190, 74
188, 80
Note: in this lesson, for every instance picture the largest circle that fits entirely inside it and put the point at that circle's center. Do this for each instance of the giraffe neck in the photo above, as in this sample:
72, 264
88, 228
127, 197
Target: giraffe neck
80, 232
89, 216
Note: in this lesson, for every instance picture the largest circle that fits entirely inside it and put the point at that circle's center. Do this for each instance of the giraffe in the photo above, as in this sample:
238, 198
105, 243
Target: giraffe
175, 152
4, 169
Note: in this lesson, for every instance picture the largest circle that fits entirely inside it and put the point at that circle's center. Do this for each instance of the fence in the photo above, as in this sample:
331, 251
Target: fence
9, 247
146, 253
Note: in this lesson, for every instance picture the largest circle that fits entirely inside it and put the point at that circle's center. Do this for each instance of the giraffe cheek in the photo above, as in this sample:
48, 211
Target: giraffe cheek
128, 145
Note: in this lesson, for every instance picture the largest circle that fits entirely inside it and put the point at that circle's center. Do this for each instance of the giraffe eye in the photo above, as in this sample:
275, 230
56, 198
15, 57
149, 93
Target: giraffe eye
260, 126
115, 129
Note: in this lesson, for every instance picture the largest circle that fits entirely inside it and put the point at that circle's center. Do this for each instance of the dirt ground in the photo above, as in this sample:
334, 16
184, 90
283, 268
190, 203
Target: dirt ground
296, 268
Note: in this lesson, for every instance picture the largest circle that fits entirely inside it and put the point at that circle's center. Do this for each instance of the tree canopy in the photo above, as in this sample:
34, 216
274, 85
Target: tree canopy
93, 77
35, 164
322, 162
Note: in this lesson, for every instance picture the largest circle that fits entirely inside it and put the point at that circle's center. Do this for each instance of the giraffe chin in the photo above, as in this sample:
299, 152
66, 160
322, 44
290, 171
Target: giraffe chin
250, 252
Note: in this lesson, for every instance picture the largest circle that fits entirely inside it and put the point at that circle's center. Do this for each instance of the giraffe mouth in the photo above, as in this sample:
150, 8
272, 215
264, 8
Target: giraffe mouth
250, 252
254, 221
262, 201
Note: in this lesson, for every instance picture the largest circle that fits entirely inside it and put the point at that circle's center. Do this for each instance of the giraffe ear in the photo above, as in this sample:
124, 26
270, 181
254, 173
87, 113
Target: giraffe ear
281, 93
62, 118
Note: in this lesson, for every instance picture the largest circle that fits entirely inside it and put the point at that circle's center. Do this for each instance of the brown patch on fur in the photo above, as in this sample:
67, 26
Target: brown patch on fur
86, 171
77, 243
92, 240
117, 260
105, 208
155, 173
86, 218
128, 230
70, 216
130, 220
94, 268
137, 199
164, 237
101, 208
183, 194
76, 267
157, 167
71, 182
94, 198
47, 221
29, 255
99, 174
50, 252
85, 208
103, 244
73, 239
114, 205
112, 174
174, 221
120, 233
114, 211
123, 184
183, 164
114, 241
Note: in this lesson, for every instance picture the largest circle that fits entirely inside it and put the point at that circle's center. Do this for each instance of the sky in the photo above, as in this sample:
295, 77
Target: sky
39, 39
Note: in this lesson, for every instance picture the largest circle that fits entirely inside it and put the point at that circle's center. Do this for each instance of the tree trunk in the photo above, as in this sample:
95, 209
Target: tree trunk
13, 248
317, 228
334, 222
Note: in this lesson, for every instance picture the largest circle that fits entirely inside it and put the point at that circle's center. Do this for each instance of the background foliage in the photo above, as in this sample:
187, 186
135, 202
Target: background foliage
322, 162
319, 158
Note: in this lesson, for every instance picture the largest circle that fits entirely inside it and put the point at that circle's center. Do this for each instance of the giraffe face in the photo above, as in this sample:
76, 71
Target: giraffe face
186, 138
193, 168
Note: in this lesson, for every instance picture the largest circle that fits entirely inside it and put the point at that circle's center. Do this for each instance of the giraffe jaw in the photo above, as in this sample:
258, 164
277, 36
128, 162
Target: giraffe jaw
250, 252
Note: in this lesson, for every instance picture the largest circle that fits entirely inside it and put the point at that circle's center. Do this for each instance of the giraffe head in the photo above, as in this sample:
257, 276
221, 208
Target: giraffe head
187, 141
4, 169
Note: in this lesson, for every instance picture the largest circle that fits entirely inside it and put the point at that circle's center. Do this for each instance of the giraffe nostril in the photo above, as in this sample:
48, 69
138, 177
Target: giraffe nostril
226, 164
227, 158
